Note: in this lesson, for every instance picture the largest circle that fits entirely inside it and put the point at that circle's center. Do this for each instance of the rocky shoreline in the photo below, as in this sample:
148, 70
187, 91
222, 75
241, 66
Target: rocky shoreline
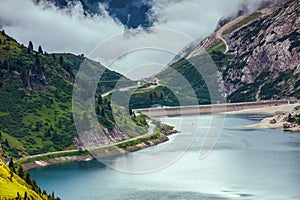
166, 130
53, 161
285, 121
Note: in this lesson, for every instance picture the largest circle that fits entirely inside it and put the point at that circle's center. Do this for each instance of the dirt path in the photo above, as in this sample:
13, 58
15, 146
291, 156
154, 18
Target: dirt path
220, 31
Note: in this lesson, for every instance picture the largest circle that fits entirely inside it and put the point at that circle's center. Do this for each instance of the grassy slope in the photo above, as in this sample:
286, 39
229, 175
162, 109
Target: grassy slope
186, 68
35, 112
9, 187
248, 19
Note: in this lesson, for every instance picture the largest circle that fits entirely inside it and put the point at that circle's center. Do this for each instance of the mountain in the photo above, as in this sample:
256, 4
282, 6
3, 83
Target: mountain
257, 55
131, 13
36, 101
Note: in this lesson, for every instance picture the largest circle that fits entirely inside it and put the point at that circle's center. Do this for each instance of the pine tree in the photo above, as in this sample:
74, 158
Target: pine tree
37, 126
25, 196
99, 99
6, 143
61, 60
11, 165
40, 50
28, 178
102, 112
48, 133
21, 171
98, 111
109, 106
30, 46
5, 65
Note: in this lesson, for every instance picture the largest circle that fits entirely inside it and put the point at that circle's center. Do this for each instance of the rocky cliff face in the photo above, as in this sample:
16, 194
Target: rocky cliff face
263, 53
270, 43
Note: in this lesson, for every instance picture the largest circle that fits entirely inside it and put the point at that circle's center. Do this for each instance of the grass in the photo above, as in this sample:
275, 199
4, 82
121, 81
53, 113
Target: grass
138, 141
217, 47
238, 25
36, 112
11, 184
47, 157
13, 142
8, 47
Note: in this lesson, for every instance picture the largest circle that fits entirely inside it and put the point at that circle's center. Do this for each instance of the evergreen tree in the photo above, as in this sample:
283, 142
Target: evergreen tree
28, 178
99, 99
11, 165
5, 65
21, 171
102, 112
61, 60
30, 46
98, 111
40, 50
3, 32
38, 126
109, 106
48, 133
55, 136
6, 143
25, 196
38, 67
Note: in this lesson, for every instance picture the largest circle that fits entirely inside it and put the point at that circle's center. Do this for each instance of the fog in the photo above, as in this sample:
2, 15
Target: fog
70, 30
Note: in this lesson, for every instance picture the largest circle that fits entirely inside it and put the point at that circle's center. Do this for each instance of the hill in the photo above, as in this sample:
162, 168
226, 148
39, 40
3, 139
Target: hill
36, 100
12, 186
257, 56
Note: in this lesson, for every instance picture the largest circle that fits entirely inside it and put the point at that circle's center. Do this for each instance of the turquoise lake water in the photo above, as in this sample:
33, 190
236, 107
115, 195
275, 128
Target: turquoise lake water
245, 164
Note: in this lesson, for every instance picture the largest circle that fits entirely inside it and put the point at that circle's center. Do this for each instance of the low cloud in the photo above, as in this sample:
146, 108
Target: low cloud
196, 18
70, 30
57, 30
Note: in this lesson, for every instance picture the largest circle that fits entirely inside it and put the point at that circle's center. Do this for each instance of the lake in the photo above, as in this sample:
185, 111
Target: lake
244, 164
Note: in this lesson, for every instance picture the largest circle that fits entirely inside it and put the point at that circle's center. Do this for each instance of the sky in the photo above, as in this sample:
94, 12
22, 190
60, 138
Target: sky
71, 29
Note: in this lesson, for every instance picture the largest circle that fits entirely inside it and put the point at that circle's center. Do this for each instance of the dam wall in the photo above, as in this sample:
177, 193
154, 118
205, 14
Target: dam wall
211, 108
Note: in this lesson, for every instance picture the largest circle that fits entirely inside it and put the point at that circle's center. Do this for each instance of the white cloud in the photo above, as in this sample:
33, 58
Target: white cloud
66, 30
69, 30
196, 18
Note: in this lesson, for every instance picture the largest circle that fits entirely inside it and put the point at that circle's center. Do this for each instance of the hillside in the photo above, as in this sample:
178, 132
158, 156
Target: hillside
12, 186
257, 55
36, 99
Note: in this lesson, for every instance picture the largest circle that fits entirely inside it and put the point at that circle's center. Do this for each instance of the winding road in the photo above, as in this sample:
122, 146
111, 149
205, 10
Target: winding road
149, 133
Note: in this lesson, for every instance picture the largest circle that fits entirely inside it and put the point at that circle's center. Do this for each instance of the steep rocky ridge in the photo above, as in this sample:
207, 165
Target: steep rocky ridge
260, 57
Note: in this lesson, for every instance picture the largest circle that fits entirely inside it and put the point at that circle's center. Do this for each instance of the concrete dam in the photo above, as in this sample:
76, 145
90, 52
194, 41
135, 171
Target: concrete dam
211, 108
